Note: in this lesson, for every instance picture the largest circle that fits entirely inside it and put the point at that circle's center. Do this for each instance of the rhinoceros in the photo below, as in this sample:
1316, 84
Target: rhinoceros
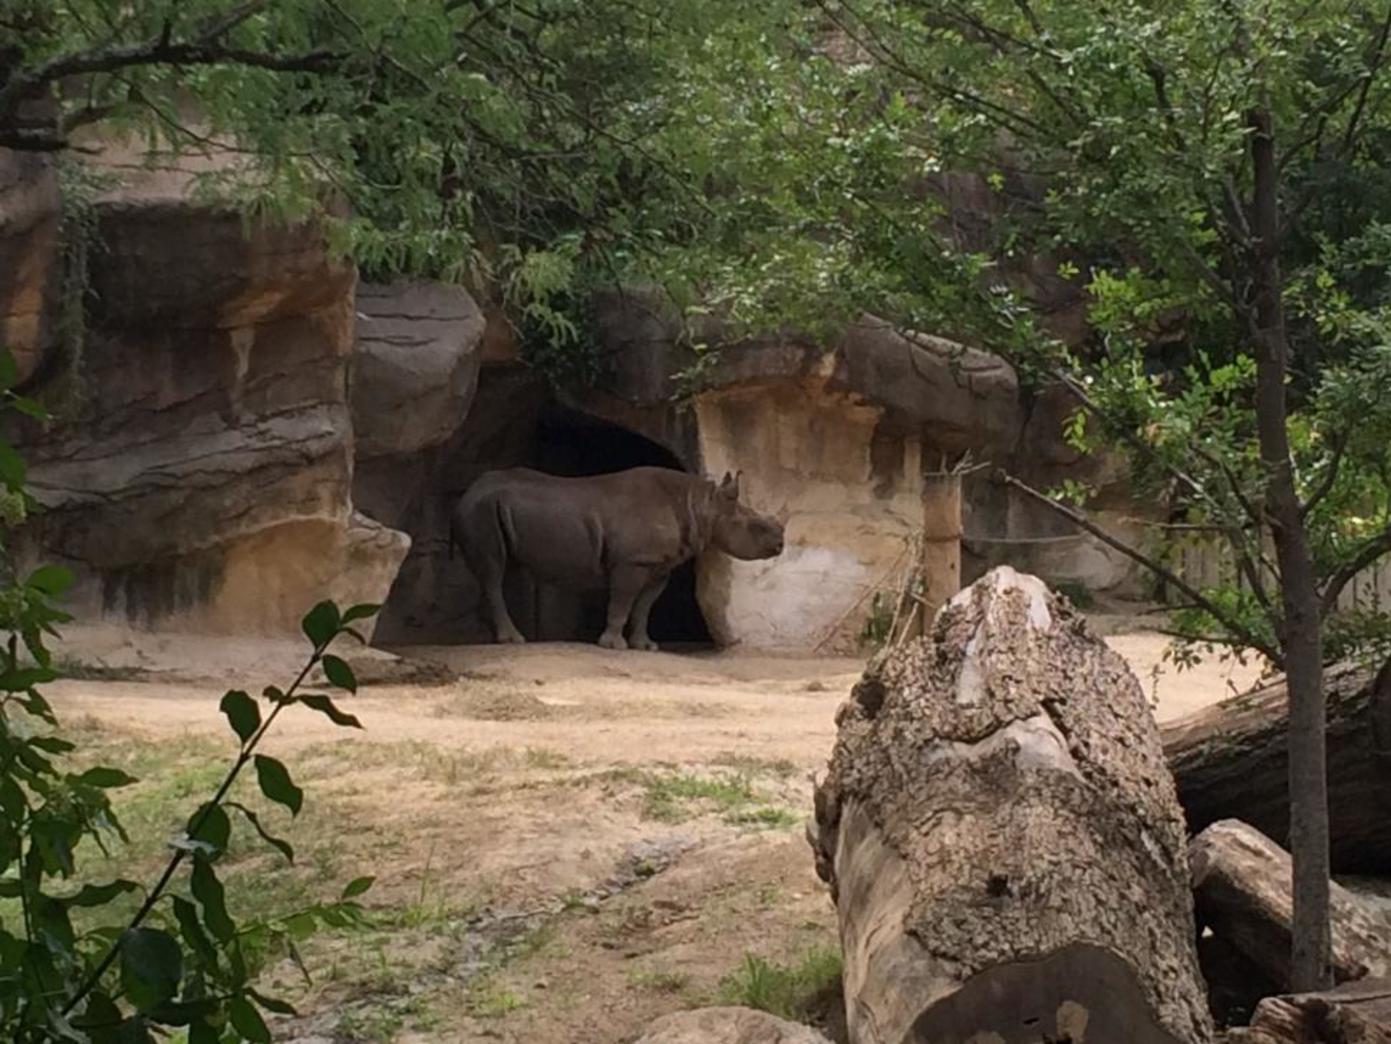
627, 531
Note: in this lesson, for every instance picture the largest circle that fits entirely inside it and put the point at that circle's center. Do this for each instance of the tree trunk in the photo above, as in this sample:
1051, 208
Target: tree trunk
1358, 1013
1231, 761
1002, 839
1300, 638
1241, 884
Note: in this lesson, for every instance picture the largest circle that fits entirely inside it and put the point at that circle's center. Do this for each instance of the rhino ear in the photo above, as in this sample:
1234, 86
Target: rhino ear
734, 486
729, 486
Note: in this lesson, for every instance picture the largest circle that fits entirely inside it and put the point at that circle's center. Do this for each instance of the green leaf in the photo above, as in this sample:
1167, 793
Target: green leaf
357, 886
151, 967
324, 705
280, 1007
339, 673
273, 693
276, 784
101, 1018
52, 580
12, 469
9, 369
321, 624
242, 713
182, 1013
214, 830
247, 1021
105, 777
29, 407
361, 612
204, 1033
26, 678
207, 889
192, 931
266, 835
100, 895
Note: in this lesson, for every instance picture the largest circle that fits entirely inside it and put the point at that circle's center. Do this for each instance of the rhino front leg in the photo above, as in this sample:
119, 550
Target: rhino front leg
638, 637
625, 584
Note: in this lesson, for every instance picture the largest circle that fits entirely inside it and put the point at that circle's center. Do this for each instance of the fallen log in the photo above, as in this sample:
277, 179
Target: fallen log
1002, 839
1241, 887
1230, 761
1355, 1013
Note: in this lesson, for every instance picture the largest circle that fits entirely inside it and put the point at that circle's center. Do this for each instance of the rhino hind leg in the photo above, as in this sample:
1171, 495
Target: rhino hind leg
485, 550
626, 583
638, 637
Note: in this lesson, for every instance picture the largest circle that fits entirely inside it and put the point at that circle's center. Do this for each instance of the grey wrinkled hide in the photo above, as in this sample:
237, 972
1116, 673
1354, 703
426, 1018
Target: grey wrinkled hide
625, 531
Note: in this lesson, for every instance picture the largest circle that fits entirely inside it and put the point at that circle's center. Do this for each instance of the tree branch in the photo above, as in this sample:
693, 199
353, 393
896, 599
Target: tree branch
1372, 548
1330, 476
1235, 626
1373, 67
203, 48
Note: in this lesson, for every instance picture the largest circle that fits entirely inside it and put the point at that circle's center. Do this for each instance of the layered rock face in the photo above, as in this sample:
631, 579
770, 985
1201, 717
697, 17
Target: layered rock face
833, 439
198, 468
30, 222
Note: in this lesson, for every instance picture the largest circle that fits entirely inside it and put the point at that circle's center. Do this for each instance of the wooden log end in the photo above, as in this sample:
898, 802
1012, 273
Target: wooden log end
1078, 993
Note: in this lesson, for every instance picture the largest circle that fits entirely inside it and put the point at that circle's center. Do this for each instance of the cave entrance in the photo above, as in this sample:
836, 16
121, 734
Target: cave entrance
575, 444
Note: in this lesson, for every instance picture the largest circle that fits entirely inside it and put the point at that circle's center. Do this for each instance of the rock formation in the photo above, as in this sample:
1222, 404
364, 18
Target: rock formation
728, 1026
415, 366
1002, 839
30, 255
197, 470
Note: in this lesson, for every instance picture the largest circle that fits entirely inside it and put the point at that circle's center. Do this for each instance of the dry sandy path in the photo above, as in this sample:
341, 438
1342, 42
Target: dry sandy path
590, 704
533, 779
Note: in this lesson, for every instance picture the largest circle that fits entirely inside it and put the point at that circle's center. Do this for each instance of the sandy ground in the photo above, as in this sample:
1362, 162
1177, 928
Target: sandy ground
525, 792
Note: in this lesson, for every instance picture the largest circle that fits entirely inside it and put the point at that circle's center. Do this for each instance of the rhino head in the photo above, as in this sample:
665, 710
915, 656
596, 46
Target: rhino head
737, 529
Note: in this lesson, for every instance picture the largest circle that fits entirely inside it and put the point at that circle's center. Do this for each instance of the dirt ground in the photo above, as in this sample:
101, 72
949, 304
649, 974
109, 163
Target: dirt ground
567, 841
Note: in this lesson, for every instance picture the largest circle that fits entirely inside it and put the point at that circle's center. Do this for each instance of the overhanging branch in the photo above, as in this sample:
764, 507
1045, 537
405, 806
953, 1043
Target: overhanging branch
1238, 629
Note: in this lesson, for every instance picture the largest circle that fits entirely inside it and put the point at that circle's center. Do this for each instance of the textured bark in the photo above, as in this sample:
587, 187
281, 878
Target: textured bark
1002, 838
1241, 883
1357, 1013
1301, 637
1231, 761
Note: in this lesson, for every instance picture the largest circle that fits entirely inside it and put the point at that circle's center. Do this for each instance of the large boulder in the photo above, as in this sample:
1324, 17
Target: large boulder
415, 368
198, 469
728, 1026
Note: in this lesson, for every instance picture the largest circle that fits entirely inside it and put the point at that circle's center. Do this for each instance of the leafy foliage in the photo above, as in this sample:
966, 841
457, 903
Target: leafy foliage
68, 973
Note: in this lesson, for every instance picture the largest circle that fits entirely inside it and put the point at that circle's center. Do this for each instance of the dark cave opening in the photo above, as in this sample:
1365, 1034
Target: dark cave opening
575, 444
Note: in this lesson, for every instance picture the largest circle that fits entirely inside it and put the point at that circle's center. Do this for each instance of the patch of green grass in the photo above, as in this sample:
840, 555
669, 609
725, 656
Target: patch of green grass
749, 765
785, 990
488, 1000
765, 817
378, 1020
667, 796
672, 796
659, 981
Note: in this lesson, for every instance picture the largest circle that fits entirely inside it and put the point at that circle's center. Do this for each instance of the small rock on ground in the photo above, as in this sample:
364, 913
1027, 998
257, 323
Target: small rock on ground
728, 1026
